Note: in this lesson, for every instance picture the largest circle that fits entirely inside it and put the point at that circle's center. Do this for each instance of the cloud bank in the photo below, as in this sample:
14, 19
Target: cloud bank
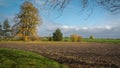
102, 31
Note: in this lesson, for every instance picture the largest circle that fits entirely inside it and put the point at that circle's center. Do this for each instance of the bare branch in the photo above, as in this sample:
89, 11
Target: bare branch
110, 5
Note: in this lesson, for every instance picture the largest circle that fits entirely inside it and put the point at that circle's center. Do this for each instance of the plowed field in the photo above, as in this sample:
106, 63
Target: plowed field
74, 54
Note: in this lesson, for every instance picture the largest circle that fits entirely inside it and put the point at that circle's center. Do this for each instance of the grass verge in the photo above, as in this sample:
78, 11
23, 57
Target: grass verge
10, 58
101, 40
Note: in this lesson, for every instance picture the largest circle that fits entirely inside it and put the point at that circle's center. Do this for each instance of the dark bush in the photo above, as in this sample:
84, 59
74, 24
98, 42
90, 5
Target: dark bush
57, 35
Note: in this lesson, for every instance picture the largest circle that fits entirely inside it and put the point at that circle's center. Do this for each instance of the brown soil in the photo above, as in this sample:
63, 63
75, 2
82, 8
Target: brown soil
74, 55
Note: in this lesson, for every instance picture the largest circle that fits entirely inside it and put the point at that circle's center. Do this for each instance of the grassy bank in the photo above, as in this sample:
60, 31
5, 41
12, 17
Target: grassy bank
20, 59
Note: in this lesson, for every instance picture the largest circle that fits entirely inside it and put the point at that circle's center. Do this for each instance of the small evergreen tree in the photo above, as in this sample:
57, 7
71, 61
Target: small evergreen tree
6, 28
57, 35
0, 26
1, 31
6, 25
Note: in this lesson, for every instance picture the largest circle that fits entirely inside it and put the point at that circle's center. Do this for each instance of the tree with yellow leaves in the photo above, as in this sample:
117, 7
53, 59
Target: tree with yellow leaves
27, 21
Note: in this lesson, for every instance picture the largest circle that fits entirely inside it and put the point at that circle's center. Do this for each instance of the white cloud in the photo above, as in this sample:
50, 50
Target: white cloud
108, 27
70, 27
85, 28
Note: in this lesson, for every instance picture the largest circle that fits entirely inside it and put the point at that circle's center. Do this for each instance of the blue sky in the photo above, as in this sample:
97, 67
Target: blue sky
101, 23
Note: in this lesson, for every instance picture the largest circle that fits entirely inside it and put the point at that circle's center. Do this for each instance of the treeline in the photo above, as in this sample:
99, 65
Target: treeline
7, 33
25, 26
58, 36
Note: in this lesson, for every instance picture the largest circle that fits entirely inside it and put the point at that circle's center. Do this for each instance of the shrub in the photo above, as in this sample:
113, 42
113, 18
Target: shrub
79, 38
33, 38
91, 37
50, 38
75, 38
